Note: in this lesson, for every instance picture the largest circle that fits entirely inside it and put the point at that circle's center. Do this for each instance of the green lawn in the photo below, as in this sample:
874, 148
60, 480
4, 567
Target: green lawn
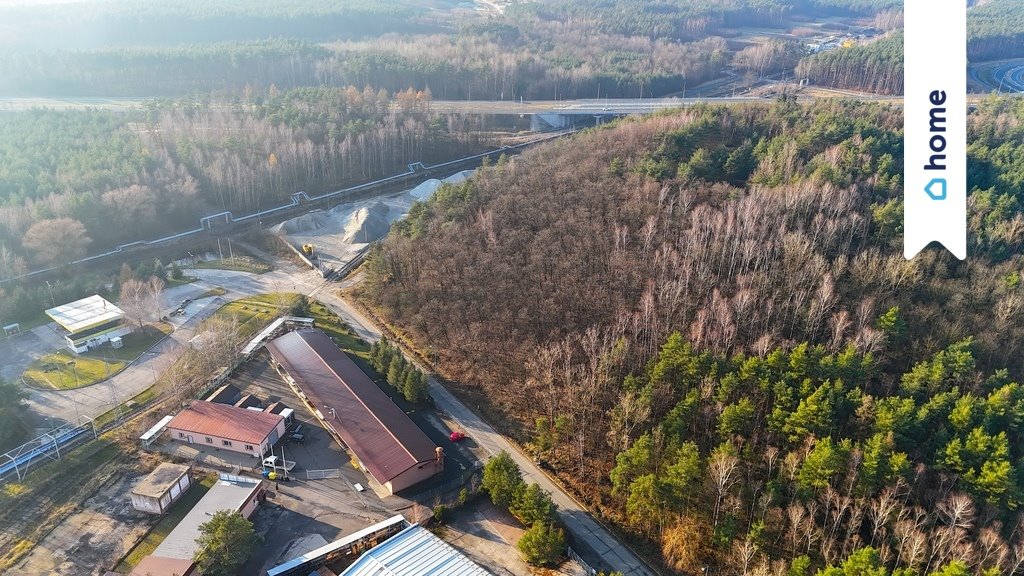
255, 312
64, 370
38, 319
238, 263
165, 525
338, 330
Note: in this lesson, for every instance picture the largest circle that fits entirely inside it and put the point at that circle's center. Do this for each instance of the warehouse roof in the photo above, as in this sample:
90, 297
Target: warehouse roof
85, 313
160, 480
229, 493
377, 431
414, 551
225, 421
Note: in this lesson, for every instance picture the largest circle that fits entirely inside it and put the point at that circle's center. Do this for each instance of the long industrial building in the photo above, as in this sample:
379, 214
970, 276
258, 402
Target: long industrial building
385, 441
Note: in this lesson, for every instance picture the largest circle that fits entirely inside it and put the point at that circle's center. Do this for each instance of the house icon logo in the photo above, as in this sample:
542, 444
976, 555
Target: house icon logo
936, 189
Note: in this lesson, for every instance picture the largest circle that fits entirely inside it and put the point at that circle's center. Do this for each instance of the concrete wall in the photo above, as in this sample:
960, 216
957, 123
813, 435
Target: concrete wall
250, 505
414, 475
202, 440
163, 504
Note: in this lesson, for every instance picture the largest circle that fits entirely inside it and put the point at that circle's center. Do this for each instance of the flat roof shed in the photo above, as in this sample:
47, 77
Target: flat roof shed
164, 486
84, 314
387, 443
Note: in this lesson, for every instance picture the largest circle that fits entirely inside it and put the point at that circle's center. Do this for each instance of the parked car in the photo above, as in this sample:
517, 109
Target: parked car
456, 436
275, 463
296, 438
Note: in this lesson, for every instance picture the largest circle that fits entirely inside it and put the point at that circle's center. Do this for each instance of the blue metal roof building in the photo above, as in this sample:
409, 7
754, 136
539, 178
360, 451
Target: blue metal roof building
414, 551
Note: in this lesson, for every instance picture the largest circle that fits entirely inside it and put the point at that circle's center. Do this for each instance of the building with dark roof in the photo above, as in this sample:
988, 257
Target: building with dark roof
160, 566
386, 442
249, 401
227, 427
226, 394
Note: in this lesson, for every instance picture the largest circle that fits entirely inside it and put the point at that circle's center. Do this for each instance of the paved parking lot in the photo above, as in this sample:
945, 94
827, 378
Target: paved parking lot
18, 351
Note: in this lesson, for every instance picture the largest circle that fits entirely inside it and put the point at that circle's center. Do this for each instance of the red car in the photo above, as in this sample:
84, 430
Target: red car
456, 436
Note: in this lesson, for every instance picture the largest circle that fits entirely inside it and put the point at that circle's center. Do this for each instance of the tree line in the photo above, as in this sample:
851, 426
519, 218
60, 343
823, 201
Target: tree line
995, 30
876, 67
536, 50
74, 181
401, 374
124, 23
622, 318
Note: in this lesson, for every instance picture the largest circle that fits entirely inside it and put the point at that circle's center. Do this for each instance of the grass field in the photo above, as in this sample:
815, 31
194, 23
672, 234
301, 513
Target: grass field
63, 370
338, 330
255, 312
165, 525
239, 264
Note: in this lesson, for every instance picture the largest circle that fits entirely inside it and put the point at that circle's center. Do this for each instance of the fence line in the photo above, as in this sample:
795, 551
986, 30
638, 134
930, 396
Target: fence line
428, 497
323, 474
583, 563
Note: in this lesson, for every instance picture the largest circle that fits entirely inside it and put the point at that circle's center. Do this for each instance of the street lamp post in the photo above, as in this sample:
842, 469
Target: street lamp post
50, 288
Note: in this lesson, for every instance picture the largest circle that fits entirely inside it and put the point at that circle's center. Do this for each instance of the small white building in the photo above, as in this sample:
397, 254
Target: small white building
164, 486
89, 322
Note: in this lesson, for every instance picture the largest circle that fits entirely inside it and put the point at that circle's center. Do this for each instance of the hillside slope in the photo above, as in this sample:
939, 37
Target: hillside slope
703, 320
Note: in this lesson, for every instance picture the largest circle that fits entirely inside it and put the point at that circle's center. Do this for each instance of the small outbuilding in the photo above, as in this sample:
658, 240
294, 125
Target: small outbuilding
163, 487
226, 394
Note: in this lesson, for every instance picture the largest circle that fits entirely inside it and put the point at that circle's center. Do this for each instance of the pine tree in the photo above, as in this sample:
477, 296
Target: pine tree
395, 369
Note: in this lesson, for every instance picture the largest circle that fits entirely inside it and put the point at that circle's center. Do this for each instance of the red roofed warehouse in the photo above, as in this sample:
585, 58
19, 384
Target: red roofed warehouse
388, 445
227, 427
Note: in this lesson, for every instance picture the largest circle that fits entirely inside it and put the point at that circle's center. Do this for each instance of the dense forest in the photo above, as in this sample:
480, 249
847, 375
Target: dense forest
126, 23
875, 67
91, 179
995, 30
707, 327
534, 50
